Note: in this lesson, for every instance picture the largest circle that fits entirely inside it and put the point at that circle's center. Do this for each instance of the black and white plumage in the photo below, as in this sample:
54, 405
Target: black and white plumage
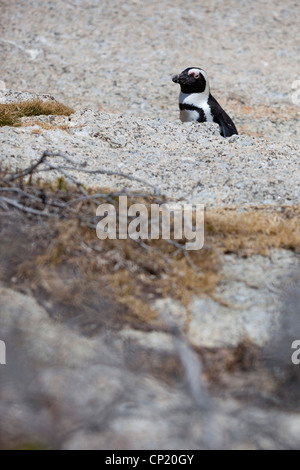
197, 104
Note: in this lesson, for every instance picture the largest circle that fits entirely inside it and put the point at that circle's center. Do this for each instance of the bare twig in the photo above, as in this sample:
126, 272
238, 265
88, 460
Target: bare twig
29, 210
27, 171
72, 208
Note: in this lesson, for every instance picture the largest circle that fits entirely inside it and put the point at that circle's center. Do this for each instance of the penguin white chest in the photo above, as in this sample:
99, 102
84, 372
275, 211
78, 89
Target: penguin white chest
187, 115
207, 112
198, 100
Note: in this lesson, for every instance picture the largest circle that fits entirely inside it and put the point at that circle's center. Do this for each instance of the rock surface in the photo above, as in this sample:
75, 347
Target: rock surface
75, 394
13, 96
190, 162
121, 57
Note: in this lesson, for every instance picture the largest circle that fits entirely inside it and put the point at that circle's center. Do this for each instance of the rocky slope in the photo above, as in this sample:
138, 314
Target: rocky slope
190, 162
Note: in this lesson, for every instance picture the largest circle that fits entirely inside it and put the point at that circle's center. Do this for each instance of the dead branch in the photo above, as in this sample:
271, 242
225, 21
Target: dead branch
29, 210
29, 199
27, 171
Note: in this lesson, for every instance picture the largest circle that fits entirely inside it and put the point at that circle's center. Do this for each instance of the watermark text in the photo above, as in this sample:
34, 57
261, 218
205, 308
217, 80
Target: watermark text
2, 353
296, 355
160, 221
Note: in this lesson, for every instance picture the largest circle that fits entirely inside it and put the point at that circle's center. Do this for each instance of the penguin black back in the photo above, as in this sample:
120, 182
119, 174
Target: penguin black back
197, 104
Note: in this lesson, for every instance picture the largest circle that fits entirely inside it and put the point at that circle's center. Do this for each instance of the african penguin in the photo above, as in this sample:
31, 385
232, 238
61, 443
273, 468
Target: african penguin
197, 104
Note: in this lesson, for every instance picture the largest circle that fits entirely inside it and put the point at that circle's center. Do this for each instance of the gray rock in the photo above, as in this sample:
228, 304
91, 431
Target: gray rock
156, 340
44, 340
13, 96
179, 160
248, 306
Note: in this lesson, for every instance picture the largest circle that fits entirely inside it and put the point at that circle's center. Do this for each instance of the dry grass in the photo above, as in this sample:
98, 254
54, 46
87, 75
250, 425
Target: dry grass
45, 126
99, 286
135, 274
10, 114
256, 231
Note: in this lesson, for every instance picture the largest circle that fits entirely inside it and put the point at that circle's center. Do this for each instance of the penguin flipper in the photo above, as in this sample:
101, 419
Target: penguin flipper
226, 124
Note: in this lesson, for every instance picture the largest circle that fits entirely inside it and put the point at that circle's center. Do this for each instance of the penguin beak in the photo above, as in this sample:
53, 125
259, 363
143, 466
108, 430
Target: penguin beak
175, 79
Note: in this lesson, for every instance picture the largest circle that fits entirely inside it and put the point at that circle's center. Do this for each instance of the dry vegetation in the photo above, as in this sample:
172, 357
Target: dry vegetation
10, 114
136, 272
49, 249
255, 231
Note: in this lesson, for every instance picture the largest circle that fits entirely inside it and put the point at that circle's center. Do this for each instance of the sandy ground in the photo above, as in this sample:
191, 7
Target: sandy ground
190, 162
121, 56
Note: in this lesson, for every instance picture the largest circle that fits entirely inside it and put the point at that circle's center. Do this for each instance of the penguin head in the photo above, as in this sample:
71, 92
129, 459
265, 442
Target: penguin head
192, 80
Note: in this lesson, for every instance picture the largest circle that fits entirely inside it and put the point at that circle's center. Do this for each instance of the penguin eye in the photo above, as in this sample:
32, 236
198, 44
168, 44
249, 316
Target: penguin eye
194, 74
